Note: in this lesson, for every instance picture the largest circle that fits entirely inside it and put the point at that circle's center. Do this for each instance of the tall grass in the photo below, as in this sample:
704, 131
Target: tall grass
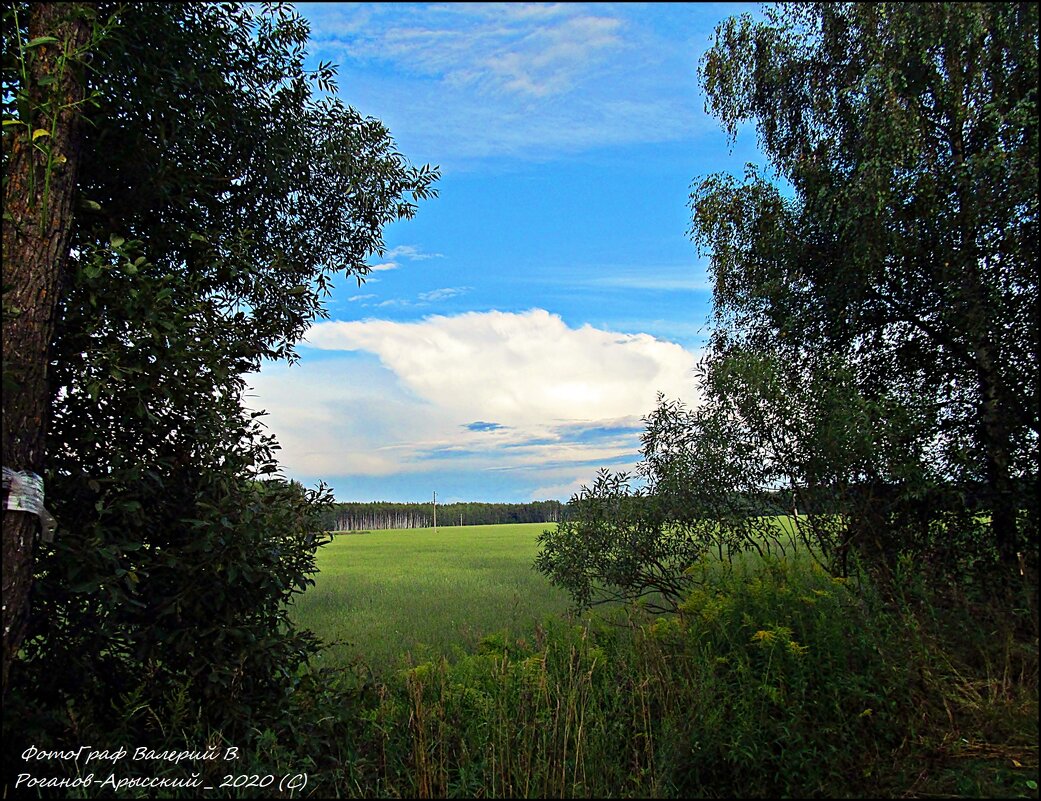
775, 683
773, 679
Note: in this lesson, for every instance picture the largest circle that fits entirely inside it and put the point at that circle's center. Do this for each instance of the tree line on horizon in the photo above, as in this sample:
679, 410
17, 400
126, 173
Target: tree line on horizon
379, 515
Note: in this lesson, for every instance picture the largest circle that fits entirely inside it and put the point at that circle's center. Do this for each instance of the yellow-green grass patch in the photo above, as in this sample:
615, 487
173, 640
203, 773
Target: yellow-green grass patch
384, 594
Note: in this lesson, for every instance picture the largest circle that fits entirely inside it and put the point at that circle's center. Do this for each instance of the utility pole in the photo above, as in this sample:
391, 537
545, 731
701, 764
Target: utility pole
435, 512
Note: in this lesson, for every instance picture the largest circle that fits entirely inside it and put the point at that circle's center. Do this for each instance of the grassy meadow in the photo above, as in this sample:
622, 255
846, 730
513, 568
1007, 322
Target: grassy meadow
453, 671
383, 595
774, 679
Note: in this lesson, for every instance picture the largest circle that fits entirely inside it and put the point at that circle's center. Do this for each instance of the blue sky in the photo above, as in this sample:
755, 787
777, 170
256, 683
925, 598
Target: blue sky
515, 332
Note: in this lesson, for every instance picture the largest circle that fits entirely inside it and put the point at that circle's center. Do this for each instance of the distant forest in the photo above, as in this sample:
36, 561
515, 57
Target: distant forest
383, 515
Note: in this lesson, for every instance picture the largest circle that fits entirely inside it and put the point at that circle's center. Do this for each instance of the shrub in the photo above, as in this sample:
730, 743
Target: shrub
775, 680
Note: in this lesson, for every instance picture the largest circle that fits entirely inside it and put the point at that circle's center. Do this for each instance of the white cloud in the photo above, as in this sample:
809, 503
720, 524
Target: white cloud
443, 294
655, 282
489, 392
519, 369
467, 81
411, 252
551, 59
491, 48
395, 255
422, 299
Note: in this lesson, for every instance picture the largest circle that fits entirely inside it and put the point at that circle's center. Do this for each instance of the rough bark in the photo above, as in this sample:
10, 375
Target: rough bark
38, 203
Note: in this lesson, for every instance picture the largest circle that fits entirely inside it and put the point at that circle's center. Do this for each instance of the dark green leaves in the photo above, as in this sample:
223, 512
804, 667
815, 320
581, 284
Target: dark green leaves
874, 356
218, 197
40, 40
908, 133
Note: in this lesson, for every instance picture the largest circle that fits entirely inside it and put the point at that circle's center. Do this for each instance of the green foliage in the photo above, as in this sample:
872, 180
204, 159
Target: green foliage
616, 544
26, 104
905, 250
794, 696
707, 485
218, 197
873, 365
773, 679
213, 150
778, 682
377, 515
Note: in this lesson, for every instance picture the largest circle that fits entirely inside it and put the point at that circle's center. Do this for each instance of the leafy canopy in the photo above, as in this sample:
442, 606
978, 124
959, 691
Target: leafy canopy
873, 364
908, 246
219, 196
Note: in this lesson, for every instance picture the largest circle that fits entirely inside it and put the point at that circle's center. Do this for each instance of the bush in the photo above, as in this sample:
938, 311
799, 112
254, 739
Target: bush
775, 681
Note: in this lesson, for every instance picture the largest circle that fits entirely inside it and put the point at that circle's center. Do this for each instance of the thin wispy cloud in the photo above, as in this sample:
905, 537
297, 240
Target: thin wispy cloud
551, 59
411, 252
400, 253
443, 294
422, 299
551, 79
690, 276
655, 282
490, 48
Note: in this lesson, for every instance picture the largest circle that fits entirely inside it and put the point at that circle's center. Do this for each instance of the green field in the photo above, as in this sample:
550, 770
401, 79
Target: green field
384, 594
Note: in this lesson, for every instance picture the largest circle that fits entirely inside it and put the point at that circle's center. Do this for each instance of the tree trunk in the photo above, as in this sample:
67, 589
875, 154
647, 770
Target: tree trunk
39, 188
1002, 497
994, 433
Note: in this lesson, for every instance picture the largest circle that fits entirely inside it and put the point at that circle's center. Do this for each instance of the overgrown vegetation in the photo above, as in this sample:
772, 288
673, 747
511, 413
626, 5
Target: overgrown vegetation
772, 679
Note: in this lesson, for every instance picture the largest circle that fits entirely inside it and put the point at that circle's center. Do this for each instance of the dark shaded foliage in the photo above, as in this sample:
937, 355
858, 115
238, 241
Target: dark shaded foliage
218, 198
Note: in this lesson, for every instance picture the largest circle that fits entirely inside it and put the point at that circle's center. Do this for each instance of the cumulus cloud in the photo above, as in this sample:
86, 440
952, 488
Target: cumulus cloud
524, 396
519, 369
